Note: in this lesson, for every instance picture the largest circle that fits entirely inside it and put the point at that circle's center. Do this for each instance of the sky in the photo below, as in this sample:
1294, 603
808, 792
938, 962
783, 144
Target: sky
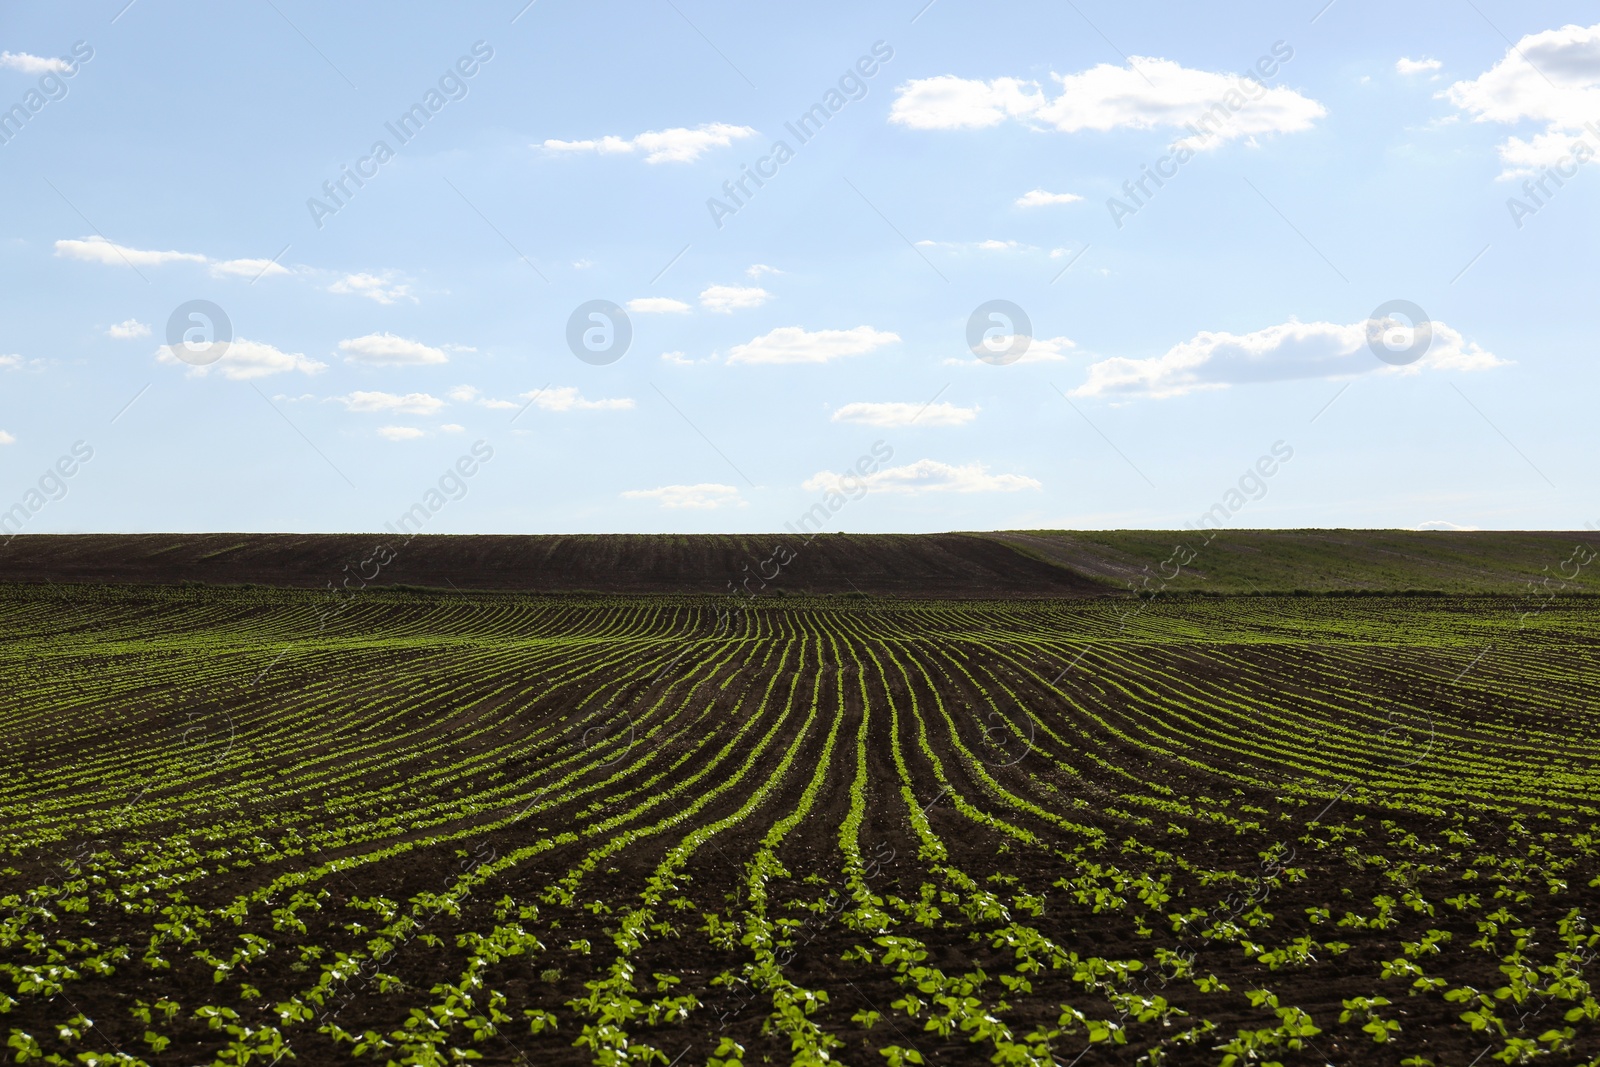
691, 266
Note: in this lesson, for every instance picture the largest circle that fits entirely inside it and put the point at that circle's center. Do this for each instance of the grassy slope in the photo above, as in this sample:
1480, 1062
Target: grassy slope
1244, 561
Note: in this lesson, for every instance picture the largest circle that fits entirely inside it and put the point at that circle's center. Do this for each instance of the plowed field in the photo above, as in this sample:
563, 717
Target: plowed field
629, 830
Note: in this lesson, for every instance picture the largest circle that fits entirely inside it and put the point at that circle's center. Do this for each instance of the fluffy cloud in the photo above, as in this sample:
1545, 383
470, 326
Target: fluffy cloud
792, 344
657, 305
1040, 198
99, 250
756, 270
990, 244
247, 359
7, 439
12, 362
128, 330
408, 404
892, 414
1416, 66
1148, 94
1551, 78
1039, 350
389, 350
400, 433
379, 287
567, 398
471, 394
923, 476
705, 496
1524, 159
731, 298
33, 64
1290, 351
947, 102
676, 145
247, 268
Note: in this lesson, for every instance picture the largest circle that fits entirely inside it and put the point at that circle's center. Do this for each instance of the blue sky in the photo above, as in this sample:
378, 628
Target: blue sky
168, 152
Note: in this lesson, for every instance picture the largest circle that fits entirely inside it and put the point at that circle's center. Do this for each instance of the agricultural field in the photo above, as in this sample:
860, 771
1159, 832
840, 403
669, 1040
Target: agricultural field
239, 827
1029, 563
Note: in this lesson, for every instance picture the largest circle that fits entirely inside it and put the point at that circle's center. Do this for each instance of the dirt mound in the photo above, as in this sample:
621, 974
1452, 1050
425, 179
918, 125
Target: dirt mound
923, 565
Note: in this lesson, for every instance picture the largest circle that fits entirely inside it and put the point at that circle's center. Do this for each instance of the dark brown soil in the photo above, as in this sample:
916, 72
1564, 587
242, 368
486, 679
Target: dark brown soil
921, 565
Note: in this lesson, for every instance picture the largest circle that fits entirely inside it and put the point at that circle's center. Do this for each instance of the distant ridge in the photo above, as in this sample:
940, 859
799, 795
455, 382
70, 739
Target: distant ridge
907, 565
1028, 563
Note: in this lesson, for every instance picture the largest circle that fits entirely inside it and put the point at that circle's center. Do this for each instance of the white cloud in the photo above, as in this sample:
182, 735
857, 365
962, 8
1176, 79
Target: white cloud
10, 361
731, 298
468, 394
1525, 159
1046, 350
992, 244
677, 359
923, 476
657, 305
705, 496
1440, 524
893, 414
1150, 93
567, 398
247, 268
33, 64
1286, 352
1551, 78
756, 270
7, 439
400, 433
245, 360
1416, 66
128, 330
1040, 198
452, 427
676, 145
408, 404
99, 250
389, 350
379, 287
1039, 350
947, 102
792, 344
